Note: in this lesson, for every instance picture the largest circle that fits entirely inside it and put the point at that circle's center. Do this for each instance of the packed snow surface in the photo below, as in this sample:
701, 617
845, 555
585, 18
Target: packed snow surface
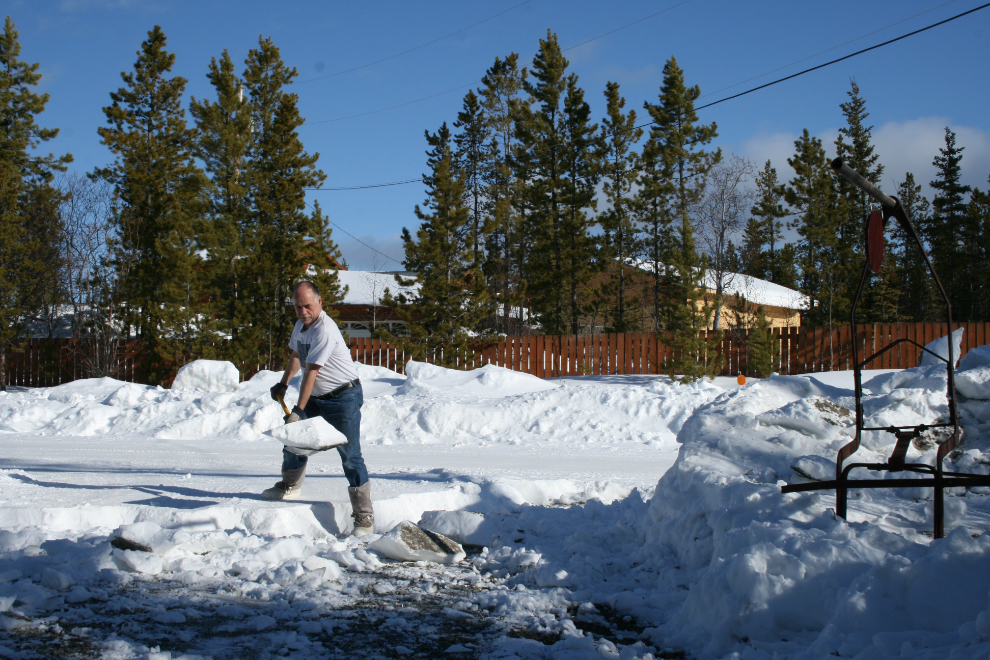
132, 526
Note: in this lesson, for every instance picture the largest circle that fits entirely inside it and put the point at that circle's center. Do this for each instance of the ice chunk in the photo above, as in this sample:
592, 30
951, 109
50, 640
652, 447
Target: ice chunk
208, 376
407, 542
56, 580
309, 435
143, 536
974, 383
941, 348
976, 357
814, 467
461, 526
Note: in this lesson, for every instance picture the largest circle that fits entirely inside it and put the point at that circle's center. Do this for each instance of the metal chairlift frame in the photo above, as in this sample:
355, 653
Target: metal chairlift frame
939, 479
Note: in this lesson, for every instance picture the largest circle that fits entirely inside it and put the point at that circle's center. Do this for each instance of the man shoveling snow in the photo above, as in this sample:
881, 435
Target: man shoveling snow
330, 389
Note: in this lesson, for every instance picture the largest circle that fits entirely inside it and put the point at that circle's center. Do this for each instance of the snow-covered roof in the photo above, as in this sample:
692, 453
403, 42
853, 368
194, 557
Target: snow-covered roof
759, 292
367, 287
755, 290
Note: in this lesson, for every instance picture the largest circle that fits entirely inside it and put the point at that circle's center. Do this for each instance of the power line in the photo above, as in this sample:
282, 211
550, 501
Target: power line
373, 185
405, 52
769, 84
846, 57
476, 82
828, 50
355, 237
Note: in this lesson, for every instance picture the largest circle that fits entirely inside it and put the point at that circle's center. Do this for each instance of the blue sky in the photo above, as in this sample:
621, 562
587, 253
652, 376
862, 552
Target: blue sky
912, 88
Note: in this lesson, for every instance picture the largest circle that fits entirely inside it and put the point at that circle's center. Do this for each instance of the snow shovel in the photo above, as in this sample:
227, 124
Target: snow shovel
320, 428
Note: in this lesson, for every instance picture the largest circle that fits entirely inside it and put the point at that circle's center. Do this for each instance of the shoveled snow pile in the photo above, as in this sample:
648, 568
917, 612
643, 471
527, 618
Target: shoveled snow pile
774, 575
208, 376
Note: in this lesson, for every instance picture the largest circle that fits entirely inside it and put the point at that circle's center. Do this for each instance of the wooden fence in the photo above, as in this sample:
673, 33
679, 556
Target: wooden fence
48, 362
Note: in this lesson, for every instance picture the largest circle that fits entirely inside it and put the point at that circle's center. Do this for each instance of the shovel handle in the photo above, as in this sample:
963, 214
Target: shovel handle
281, 402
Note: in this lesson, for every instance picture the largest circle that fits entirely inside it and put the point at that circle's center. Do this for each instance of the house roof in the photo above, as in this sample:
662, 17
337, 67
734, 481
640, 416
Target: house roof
367, 287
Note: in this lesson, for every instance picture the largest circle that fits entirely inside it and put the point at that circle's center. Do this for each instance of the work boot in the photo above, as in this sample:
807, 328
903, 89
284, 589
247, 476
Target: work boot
289, 488
364, 514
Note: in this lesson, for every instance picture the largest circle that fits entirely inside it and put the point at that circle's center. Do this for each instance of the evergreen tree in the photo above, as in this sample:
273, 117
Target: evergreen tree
947, 231
919, 299
158, 187
978, 238
506, 248
854, 147
694, 354
452, 302
763, 347
764, 255
473, 155
581, 159
26, 195
554, 165
813, 196
223, 137
279, 229
620, 243
674, 165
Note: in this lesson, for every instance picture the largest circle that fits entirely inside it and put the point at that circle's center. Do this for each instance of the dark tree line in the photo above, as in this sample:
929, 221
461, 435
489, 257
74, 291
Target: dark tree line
577, 226
535, 217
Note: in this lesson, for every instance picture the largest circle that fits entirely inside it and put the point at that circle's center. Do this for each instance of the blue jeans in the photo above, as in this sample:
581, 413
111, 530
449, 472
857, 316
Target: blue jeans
344, 414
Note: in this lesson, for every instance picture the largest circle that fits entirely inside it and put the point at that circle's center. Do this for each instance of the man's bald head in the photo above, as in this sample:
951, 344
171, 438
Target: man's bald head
306, 284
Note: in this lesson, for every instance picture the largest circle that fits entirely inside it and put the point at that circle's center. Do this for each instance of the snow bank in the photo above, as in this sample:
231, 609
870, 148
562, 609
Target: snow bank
774, 575
208, 376
941, 348
489, 381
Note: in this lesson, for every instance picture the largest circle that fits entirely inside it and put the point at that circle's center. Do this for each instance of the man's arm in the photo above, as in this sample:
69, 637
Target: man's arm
306, 386
291, 370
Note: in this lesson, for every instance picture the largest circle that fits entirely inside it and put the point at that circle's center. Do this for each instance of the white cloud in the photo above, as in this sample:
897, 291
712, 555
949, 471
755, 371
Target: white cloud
908, 146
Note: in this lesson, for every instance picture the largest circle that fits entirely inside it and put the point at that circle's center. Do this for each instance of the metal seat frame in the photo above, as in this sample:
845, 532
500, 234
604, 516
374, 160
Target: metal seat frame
939, 479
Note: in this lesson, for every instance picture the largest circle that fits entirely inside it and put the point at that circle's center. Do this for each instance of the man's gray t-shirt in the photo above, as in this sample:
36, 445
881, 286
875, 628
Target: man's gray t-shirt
323, 344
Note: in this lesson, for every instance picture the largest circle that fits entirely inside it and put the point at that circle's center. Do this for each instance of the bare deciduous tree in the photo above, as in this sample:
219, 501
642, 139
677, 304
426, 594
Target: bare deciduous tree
720, 215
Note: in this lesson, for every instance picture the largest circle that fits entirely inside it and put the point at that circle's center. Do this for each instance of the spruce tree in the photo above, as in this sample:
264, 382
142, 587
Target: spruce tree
855, 148
223, 137
278, 227
919, 300
27, 198
620, 243
158, 187
763, 347
554, 165
505, 246
581, 158
947, 231
978, 224
473, 156
673, 164
812, 195
694, 354
764, 254
446, 314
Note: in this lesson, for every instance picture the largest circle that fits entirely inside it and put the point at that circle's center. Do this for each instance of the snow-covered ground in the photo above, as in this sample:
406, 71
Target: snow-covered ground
616, 517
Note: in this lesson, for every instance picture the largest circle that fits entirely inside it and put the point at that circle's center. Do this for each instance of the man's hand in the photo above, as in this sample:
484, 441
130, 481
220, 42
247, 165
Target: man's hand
278, 389
296, 415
